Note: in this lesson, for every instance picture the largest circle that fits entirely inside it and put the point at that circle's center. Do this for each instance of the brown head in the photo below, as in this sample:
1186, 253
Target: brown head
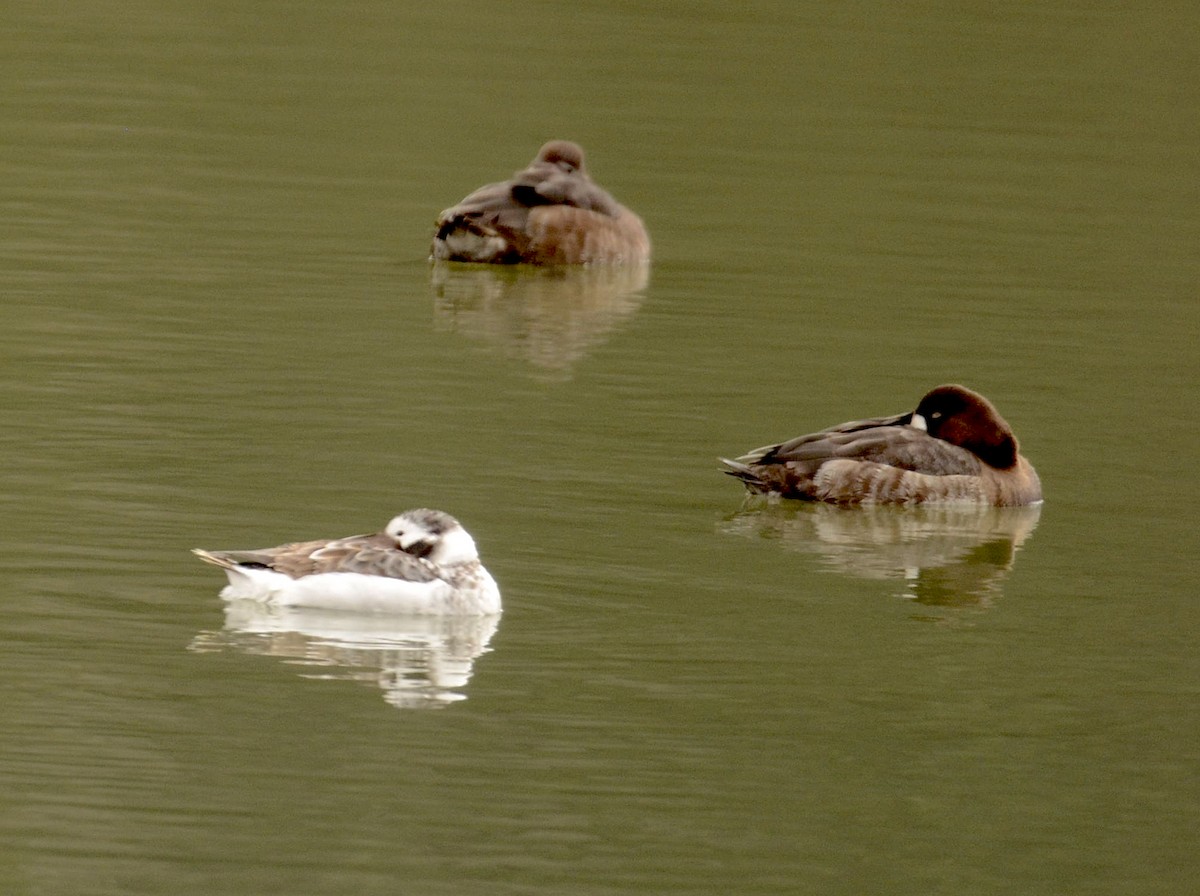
562, 154
961, 417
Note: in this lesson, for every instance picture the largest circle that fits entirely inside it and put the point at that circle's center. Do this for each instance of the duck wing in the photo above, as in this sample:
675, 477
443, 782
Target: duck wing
900, 446
532, 188
375, 555
888, 441
487, 204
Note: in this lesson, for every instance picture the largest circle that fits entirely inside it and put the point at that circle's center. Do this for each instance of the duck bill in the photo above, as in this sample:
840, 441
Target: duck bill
918, 422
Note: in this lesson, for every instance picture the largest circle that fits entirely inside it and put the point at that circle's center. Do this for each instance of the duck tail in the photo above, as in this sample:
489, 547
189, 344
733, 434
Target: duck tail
751, 479
216, 559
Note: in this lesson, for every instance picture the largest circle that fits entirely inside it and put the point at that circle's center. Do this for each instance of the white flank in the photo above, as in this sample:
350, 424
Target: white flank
363, 593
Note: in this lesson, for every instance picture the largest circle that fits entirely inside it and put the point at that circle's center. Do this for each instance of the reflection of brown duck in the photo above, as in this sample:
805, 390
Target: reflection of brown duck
550, 213
946, 554
550, 317
955, 447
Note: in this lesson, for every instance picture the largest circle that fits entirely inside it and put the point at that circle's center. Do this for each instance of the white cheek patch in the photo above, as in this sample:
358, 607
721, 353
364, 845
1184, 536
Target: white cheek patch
918, 422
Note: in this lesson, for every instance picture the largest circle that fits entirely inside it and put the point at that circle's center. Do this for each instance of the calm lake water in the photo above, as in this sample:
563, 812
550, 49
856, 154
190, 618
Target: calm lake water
219, 329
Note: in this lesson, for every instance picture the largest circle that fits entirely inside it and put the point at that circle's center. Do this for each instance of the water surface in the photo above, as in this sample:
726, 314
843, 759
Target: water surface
220, 330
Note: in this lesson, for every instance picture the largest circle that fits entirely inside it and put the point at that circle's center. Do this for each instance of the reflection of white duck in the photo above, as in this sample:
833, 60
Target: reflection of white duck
418, 661
946, 553
422, 562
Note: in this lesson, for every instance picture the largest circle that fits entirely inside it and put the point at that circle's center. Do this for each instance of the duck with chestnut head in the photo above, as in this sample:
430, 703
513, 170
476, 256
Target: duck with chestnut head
955, 447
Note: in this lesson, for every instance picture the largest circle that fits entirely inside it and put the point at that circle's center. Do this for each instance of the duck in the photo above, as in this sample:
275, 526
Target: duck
422, 563
550, 213
955, 447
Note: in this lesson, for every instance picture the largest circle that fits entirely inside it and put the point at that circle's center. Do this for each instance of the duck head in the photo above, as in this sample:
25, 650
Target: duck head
957, 415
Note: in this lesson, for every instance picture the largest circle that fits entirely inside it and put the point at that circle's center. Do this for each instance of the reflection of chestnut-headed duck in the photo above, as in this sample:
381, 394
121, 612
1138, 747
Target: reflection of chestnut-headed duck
550, 213
954, 447
422, 562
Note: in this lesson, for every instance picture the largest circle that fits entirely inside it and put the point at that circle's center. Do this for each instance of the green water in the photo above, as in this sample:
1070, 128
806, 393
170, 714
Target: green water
219, 329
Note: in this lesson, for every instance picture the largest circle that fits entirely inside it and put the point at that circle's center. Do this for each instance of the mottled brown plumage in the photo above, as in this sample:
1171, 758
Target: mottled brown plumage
377, 555
954, 447
551, 212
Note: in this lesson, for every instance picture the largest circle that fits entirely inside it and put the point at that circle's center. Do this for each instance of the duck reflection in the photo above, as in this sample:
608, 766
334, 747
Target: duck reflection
417, 661
548, 317
946, 555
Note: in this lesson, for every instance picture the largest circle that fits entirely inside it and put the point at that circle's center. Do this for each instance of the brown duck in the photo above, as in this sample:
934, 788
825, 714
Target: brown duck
550, 213
954, 447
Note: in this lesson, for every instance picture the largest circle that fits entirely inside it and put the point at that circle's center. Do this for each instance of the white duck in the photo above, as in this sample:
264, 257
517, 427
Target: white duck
423, 561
